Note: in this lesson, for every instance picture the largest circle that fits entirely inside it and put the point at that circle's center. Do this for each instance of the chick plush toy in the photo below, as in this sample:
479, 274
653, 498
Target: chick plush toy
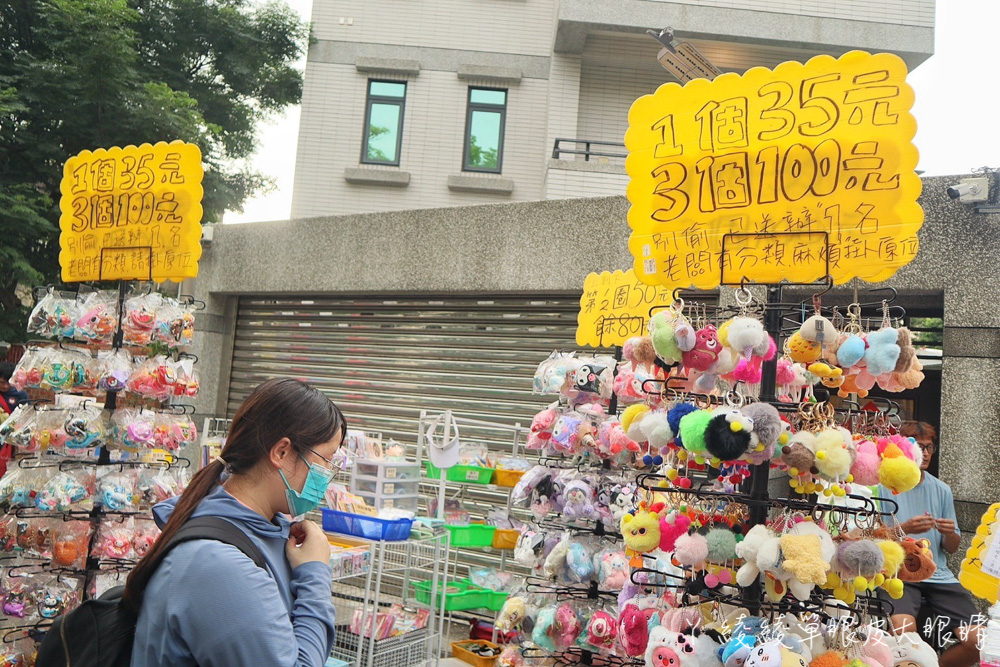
641, 531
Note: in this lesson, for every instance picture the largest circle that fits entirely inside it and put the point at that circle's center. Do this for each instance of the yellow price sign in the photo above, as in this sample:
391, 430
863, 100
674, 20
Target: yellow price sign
796, 173
131, 213
615, 307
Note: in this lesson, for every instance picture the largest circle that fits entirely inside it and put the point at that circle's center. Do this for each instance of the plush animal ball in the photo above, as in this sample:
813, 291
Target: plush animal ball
691, 550
803, 558
655, 426
641, 531
833, 459
661, 327
818, 329
692, 430
866, 465
672, 526
767, 424
893, 556
633, 631
862, 558
639, 351
721, 545
674, 416
829, 659
705, 352
851, 351
728, 434
919, 563
631, 418
898, 474
745, 334
883, 352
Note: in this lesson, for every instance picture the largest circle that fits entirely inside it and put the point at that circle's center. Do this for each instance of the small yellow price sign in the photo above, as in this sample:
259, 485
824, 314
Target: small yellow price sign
615, 307
796, 173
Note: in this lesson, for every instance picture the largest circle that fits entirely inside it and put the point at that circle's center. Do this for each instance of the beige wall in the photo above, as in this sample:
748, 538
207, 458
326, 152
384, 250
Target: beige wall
331, 131
905, 12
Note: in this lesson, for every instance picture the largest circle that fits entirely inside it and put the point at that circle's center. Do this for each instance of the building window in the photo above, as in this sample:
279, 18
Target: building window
484, 127
383, 122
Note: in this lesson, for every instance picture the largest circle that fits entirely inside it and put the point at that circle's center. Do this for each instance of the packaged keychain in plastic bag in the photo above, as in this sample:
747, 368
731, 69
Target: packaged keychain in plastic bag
50, 434
84, 427
54, 596
114, 540
8, 533
55, 315
133, 429
98, 318
68, 490
28, 372
115, 490
174, 324
186, 382
34, 536
70, 540
139, 318
17, 587
115, 369
155, 485
154, 378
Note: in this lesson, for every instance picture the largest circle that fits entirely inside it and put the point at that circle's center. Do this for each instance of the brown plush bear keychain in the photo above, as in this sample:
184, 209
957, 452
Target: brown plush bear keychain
919, 563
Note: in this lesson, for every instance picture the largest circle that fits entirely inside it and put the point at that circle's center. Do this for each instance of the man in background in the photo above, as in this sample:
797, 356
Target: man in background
927, 512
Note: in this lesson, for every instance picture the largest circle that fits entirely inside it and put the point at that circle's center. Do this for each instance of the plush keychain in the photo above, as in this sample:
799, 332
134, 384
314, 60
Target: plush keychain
612, 569
641, 531
565, 626
602, 630
579, 562
633, 630
672, 526
578, 500
512, 614
541, 634
728, 434
530, 548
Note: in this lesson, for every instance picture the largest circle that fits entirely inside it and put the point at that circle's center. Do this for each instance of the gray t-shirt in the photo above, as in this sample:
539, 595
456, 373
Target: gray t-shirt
934, 497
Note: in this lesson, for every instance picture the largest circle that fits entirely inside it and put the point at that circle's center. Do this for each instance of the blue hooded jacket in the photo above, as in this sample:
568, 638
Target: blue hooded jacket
210, 605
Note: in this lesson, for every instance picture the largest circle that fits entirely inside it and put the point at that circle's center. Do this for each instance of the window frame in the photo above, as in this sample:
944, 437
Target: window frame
471, 107
381, 99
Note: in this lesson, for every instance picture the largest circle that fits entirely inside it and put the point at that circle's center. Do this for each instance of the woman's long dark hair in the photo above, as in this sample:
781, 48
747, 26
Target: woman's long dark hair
279, 408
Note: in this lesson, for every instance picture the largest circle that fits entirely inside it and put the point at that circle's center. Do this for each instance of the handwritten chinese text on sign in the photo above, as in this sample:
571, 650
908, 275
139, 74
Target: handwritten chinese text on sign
131, 213
615, 307
809, 166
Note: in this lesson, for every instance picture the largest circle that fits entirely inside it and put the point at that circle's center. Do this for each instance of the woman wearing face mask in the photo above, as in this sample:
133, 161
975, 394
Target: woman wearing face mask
207, 603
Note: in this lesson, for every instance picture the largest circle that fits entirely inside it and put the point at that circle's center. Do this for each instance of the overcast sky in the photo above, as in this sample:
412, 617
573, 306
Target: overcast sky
957, 102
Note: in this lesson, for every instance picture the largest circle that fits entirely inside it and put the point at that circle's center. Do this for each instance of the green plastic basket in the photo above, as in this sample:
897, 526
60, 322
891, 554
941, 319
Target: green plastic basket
461, 595
473, 535
467, 474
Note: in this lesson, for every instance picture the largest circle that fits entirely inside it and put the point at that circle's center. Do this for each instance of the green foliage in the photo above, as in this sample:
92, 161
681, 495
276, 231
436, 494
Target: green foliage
84, 74
484, 159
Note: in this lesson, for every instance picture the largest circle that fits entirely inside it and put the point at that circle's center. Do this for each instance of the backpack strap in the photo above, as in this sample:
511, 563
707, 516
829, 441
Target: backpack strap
221, 530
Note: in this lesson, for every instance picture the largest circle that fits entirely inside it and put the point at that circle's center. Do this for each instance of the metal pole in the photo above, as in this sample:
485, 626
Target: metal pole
760, 473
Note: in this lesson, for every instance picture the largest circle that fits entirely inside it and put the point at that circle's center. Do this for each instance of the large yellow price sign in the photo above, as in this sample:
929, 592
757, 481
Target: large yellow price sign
615, 307
131, 213
796, 173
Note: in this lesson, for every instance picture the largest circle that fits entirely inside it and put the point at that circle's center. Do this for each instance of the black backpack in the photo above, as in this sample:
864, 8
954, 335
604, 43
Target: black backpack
100, 633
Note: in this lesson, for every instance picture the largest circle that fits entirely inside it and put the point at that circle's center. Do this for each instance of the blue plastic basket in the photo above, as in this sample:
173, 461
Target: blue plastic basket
368, 527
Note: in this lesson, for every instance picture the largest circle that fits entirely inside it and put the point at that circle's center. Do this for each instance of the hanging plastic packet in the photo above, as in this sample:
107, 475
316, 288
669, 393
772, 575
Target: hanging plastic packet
187, 382
154, 485
154, 378
57, 371
24, 434
28, 372
114, 370
84, 372
114, 540
98, 318
115, 490
54, 596
174, 324
8, 533
17, 600
139, 318
70, 540
133, 429
65, 491
55, 315
34, 537
14, 421
18, 485
144, 536
84, 427
50, 434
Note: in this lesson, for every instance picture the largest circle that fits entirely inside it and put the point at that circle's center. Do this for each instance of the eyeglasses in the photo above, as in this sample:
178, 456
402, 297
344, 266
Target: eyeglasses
927, 448
335, 465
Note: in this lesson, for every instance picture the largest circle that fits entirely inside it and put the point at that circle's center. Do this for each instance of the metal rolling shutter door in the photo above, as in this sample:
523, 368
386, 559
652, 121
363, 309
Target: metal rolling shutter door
385, 360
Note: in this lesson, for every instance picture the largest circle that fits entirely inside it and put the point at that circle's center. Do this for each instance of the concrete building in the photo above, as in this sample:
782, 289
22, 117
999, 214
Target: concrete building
395, 90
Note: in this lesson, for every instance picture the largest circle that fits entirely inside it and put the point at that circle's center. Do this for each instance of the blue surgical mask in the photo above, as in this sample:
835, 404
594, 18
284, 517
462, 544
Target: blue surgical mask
313, 491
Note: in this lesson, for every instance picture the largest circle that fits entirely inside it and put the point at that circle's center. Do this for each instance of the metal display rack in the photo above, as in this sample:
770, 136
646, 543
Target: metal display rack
389, 581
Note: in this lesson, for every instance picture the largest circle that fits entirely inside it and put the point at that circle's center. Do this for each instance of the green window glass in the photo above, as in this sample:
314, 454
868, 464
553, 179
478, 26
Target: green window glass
383, 133
485, 118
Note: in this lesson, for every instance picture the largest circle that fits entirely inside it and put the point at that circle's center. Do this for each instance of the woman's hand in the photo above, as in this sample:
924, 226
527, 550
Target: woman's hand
307, 543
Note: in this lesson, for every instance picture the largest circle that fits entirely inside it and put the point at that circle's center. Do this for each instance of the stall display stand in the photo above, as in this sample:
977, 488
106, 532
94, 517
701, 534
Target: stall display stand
517, 435
389, 580
102, 456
